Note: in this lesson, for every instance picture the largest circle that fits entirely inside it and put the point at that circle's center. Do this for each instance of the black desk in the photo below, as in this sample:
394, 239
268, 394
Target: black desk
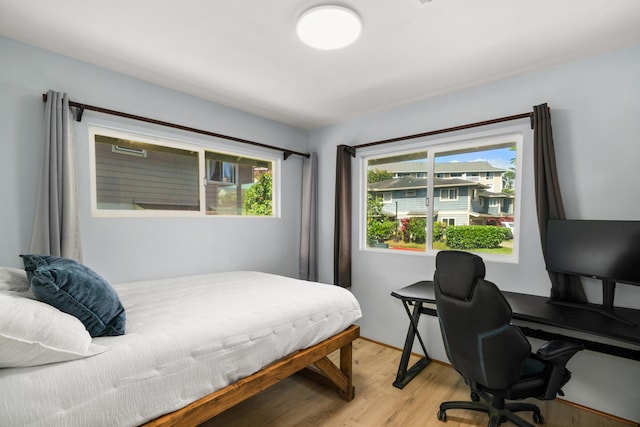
528, 308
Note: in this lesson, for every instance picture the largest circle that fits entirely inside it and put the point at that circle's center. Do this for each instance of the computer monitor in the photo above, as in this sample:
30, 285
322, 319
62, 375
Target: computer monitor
598, 249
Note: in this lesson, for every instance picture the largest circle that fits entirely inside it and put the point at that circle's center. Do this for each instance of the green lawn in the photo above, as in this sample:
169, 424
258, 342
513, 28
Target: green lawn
505, 249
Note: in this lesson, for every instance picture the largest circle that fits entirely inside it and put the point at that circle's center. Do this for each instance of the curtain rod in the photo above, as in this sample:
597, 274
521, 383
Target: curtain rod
436, 132
82, 107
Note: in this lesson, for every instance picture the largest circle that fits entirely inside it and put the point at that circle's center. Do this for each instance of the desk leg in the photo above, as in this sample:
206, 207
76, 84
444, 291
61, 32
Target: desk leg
405, 375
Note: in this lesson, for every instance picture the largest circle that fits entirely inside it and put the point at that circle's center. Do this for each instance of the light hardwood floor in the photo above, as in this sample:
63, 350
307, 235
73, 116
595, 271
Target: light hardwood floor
299, 402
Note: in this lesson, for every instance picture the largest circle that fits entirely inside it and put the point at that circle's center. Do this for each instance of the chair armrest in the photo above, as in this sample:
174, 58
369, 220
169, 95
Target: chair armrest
557, 353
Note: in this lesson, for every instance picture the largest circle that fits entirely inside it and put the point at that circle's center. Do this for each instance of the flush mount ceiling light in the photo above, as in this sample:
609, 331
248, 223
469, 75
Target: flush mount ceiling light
329, 27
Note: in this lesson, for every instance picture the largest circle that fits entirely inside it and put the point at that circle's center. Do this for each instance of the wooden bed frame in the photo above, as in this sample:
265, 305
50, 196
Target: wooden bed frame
327, 373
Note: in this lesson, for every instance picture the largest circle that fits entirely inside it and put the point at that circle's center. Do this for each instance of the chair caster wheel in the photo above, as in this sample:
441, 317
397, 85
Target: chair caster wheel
537, 418
442, 416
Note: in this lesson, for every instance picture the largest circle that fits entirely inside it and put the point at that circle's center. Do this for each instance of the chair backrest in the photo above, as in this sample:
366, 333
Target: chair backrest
475, 320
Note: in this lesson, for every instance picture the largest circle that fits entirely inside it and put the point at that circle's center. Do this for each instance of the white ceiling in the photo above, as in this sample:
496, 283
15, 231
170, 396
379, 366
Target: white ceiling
245, 54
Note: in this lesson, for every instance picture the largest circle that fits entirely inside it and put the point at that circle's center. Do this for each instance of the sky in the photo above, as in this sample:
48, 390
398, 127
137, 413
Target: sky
499, 157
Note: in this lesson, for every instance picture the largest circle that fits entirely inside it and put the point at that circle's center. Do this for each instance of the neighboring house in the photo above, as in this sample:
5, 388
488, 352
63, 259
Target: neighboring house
461, 196
479, 171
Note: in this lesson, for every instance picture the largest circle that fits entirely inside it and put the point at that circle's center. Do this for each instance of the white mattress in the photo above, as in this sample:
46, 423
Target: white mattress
185, 338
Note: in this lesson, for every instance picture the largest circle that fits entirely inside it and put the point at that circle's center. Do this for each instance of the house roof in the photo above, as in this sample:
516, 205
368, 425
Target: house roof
490, 194
477, 166
411, 182
449, 167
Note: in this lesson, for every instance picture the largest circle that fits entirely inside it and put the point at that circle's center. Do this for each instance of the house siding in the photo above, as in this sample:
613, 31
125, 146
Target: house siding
460, 219
415, 203
160, 178
461, 204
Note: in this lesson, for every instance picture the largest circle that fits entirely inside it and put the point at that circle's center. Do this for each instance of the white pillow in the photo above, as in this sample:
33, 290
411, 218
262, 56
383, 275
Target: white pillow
34, 333
13, 280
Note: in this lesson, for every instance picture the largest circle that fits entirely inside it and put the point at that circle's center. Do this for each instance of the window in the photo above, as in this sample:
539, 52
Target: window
463, 206
136, 175
448, 194
221, 171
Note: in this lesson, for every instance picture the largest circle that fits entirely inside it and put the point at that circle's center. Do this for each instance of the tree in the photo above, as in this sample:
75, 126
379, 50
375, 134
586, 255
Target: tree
257, 199
378, 175
508, 181
379, 226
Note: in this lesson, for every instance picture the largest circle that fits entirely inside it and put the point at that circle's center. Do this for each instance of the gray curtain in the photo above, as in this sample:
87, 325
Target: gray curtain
309, 228
549, 200
342, 224
56, 230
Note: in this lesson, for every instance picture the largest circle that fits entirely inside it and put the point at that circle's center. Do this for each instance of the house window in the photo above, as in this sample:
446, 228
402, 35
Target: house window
493, 203
134, 175
386, 197
221, 171
449, 199
448, 194
449, 221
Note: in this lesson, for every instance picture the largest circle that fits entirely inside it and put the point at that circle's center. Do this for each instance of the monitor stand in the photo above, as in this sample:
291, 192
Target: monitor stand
606, 308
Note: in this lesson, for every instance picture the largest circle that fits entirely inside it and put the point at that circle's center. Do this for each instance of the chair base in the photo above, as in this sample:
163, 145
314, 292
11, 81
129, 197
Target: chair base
498, 412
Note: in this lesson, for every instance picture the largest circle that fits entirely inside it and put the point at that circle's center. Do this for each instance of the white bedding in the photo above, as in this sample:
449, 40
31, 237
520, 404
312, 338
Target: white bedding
185, 338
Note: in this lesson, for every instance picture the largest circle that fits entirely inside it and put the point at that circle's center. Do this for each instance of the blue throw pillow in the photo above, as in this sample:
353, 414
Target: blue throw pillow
77, 290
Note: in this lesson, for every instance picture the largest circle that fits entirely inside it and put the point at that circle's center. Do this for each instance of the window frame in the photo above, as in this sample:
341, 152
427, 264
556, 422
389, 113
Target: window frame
449, 221
448, 192
434, 147
199, 145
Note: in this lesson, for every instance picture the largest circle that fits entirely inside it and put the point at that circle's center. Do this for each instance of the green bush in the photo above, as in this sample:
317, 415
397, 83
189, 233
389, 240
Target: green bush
257, 199
417, 229
380, 230
474, 236
438, 231
508, 234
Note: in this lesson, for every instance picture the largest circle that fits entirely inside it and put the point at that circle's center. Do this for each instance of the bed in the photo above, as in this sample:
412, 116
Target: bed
194, 346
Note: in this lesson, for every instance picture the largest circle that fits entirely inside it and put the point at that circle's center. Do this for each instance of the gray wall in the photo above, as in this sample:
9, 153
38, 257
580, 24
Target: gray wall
124, 249
595, 108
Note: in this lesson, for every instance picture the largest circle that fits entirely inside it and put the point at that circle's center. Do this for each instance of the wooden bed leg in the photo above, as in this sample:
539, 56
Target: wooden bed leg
341, 379
346, 366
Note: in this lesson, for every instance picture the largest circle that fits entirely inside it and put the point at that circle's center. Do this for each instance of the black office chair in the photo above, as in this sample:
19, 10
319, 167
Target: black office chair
492, 355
